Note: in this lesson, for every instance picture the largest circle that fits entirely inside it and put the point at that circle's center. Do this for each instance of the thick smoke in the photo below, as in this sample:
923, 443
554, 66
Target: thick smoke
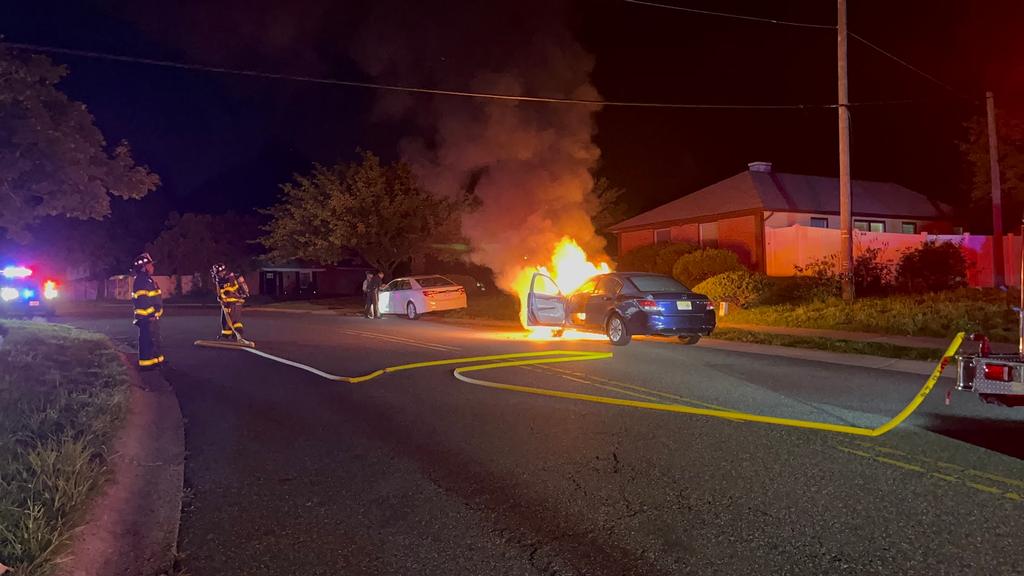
529, 163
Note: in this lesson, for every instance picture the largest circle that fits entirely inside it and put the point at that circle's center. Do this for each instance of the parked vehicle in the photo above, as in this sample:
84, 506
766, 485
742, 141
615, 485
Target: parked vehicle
22, 294
622, 305
415, 295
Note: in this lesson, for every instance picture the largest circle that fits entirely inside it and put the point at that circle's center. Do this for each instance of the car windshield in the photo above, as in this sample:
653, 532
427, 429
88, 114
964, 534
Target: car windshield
657, 284
434, 281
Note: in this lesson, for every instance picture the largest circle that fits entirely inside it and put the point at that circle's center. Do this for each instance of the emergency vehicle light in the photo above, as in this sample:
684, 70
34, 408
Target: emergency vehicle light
49, 289
7, 293
16, 272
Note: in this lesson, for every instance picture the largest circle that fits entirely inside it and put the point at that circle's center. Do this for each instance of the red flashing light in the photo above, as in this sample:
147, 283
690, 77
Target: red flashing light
998, 372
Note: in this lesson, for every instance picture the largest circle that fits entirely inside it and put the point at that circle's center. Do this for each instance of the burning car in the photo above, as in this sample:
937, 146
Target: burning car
622, 305
21, 294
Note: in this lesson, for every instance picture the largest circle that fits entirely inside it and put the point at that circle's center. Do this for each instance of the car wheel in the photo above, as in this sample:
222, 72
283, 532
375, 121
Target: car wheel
618, 332
690, 340
410, 311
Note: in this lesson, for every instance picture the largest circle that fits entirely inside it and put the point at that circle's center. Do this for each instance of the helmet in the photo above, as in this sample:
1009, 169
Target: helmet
141, 260
218, 268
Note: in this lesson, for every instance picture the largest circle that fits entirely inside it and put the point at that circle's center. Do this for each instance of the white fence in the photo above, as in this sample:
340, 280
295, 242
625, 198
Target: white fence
786, 249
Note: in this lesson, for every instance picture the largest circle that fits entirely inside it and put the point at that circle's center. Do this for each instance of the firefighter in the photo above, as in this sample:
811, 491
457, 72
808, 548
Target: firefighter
372, 286
148, 306
231, 292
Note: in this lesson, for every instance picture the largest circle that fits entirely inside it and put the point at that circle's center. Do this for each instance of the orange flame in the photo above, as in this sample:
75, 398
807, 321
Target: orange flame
569, 267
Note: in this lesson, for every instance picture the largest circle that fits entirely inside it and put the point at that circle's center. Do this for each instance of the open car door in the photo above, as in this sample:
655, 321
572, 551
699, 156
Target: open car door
545, 305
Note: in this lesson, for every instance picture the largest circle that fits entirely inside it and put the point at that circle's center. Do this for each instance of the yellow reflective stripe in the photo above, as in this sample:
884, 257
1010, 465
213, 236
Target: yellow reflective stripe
226, 332
232, 300
230, 288
150, 362
159, 312
141, 293
237, 325
145, 311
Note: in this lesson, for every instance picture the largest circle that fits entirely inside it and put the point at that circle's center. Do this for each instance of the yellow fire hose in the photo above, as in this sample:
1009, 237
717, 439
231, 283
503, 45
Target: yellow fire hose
556, 356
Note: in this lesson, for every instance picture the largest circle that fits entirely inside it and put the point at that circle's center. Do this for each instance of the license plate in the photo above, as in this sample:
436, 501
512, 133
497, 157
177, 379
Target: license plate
34, 303
684, 305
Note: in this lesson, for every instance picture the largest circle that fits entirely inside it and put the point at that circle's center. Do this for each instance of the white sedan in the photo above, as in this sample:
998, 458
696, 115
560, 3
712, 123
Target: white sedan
415, 295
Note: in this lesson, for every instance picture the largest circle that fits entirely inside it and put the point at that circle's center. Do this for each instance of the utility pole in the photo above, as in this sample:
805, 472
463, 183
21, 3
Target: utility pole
997, 195
845, 203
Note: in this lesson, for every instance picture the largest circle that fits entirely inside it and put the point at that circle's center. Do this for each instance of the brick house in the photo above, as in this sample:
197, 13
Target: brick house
735, 212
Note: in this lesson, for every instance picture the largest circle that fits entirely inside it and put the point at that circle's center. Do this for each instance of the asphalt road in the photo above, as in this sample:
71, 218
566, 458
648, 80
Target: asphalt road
418, 473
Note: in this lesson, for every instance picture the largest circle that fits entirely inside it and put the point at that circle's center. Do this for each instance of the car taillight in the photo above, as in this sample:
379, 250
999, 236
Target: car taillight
648, 305
998, 372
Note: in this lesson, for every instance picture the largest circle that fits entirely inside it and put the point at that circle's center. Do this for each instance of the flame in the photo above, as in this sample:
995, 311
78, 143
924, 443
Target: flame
568, 266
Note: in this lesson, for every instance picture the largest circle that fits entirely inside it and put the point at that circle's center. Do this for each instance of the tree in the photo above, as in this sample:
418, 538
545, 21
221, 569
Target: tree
376, 210
608, 207
1010, 133
53, 159
192, 243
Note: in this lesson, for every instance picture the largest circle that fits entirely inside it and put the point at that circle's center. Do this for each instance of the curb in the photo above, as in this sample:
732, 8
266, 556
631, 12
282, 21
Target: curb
131, 527
858, 360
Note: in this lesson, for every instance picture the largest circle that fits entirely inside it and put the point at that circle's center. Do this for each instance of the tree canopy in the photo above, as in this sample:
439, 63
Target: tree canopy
54, 161
192, 243
1010, 133
374, 209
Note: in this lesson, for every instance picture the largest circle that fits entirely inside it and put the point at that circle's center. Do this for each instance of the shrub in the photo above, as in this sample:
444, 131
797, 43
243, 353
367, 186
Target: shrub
871, 276
698, 266
740, 287
934, 267
657, 258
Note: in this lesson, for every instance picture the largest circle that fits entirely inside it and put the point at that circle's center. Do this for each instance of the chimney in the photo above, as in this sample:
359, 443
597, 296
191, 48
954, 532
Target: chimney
760, 166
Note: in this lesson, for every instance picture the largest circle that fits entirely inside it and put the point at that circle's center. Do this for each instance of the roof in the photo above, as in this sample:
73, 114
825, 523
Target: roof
778, 191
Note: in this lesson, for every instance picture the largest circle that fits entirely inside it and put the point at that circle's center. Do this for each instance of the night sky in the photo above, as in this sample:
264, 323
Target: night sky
223, 142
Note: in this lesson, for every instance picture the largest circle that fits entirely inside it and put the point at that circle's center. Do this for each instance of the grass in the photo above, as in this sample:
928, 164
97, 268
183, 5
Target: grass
829, 344
63, 394
937, 315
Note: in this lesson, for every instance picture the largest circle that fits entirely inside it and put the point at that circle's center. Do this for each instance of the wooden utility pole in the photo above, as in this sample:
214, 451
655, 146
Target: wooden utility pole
845, 203
998, 265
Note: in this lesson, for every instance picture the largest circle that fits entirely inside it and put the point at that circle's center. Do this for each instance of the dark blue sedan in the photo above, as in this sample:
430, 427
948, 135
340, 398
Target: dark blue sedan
622, 305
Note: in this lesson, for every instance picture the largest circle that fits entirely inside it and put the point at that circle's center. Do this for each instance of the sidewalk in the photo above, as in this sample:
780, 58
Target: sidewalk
907, 341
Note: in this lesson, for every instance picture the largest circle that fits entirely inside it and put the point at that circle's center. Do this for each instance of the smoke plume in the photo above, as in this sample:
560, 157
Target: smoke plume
529, 163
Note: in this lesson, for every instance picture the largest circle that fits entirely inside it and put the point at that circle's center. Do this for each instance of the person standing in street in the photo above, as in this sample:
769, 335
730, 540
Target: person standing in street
148, 308
373, 284
231, 293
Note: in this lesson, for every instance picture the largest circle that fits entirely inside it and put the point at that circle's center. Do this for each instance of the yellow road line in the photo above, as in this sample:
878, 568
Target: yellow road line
643, 389
915, 468
957, 467
558, 356
460, 373
399, 338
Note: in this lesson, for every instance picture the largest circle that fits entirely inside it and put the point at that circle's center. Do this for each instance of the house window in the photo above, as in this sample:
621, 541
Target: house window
909, 228
663, 236
819, 222
958, 230
709, 235
869, 225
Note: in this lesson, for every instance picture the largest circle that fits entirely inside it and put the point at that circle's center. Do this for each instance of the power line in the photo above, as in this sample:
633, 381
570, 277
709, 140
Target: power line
871, 45
907, 65
419, 90
730, 15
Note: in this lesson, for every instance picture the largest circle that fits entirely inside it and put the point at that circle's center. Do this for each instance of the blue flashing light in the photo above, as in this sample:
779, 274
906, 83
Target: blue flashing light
26, 293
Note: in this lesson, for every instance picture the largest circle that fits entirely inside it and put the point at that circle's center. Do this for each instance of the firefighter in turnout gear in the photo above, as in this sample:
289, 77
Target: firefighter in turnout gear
148, 306
231, 292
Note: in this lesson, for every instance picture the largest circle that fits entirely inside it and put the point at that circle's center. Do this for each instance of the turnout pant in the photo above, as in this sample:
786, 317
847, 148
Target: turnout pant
372, 308
235, 321
149, 343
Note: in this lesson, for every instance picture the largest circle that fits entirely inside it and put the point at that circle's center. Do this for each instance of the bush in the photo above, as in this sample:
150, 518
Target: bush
871, 276
698, 266
657, 258
740, 287
934, 267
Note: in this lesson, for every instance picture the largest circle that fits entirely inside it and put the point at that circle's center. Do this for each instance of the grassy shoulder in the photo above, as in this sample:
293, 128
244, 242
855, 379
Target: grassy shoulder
937, 315
63, 395
829, 344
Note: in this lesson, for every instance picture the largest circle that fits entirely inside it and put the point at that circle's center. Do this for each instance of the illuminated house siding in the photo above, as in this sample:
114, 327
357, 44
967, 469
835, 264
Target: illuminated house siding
735, 212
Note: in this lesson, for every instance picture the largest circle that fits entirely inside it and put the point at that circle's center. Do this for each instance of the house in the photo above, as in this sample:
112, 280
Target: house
300, 280
735, 213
